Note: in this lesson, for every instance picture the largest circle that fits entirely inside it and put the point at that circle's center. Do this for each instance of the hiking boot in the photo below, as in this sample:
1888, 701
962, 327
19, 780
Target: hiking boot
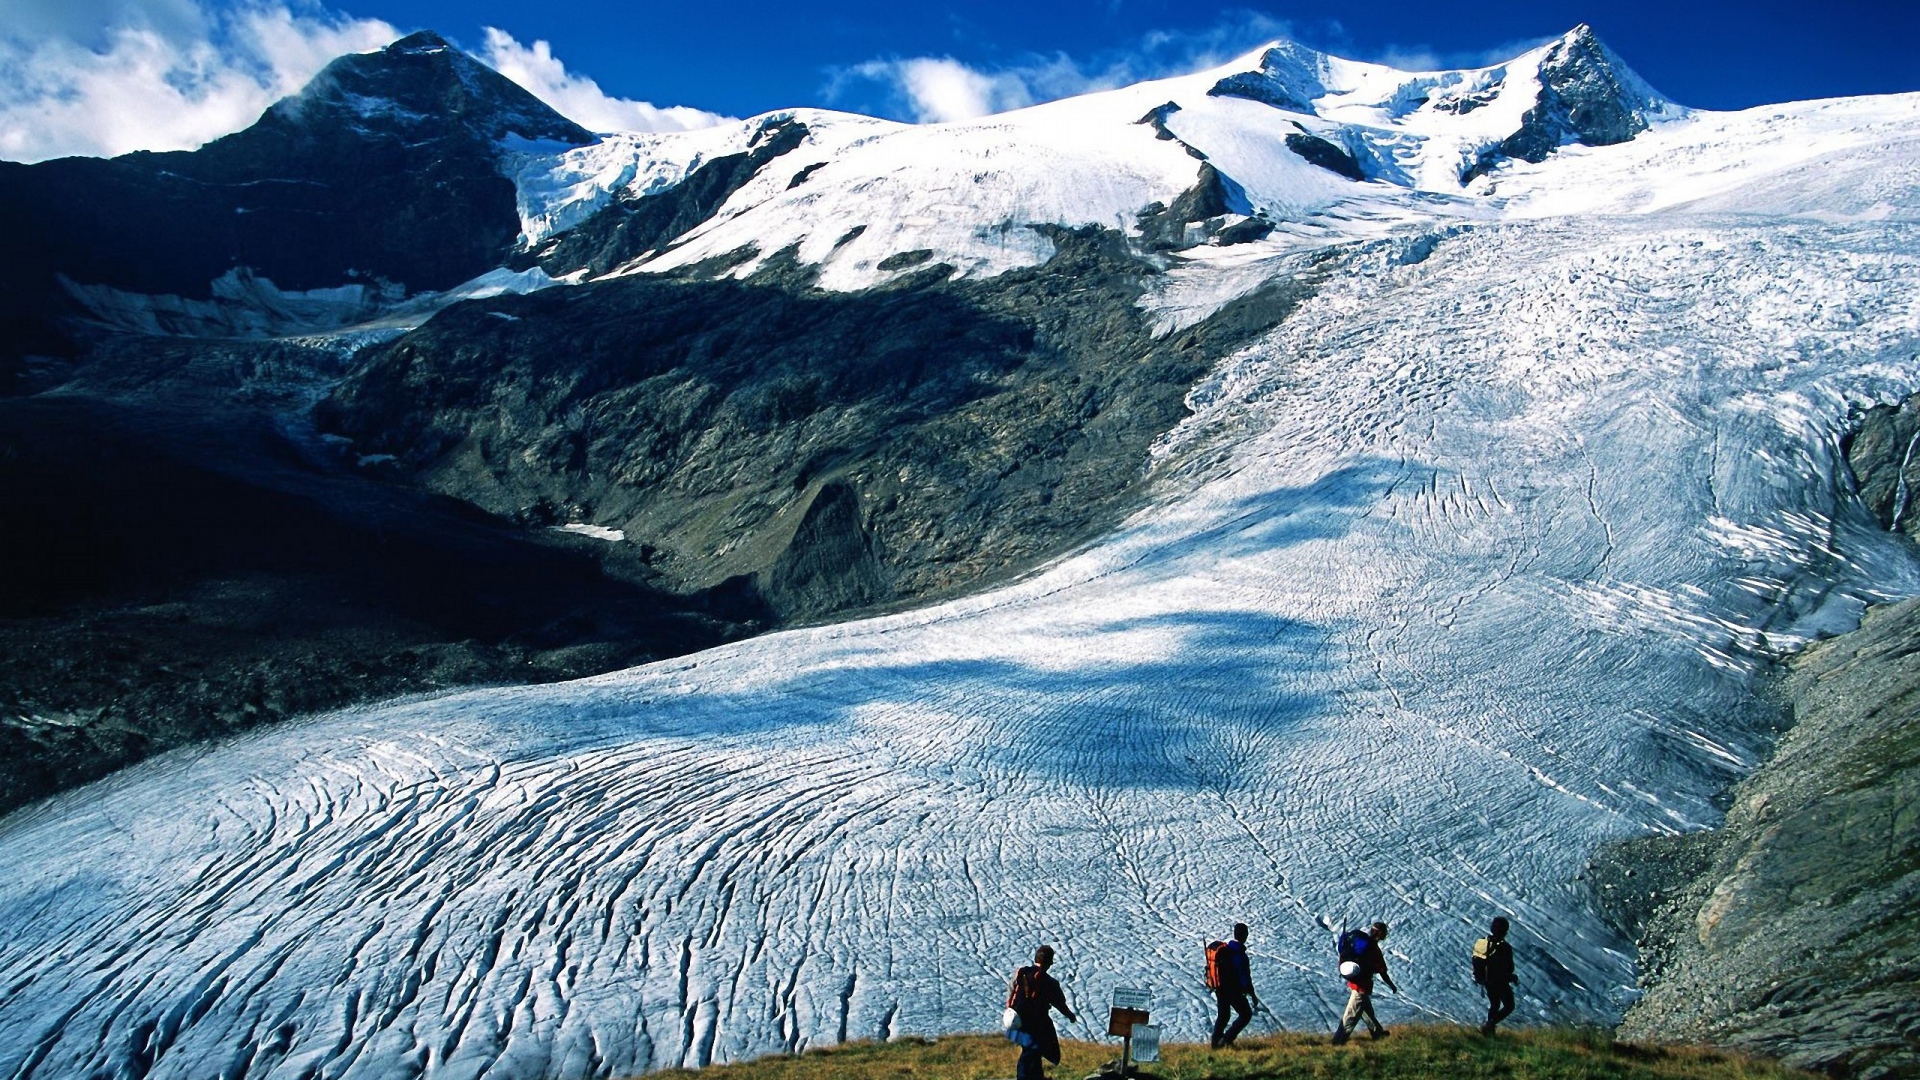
1487, 1030
1380, 1033
1340, 1038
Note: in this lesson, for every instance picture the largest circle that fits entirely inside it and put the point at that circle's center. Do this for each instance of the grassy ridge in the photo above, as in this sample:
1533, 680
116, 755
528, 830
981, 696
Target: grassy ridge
1413, 1053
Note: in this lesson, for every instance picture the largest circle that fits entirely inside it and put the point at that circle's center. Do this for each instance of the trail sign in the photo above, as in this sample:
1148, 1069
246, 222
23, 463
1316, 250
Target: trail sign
1146, 1043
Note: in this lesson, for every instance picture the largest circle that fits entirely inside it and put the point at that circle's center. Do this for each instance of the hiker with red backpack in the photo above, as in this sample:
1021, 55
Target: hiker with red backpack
1231, 979
1030, 999
1361, 958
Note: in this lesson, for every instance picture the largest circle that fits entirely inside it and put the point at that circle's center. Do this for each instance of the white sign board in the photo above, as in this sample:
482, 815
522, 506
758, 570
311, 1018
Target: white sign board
1128, 997
1146, 1042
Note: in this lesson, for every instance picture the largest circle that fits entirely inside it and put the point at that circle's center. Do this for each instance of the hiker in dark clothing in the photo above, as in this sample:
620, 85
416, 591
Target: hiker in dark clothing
1493, 970
1368, 961
1233, 988
1032, 996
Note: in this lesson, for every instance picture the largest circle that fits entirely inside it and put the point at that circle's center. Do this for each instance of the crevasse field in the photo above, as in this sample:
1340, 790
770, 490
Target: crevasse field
1467, 568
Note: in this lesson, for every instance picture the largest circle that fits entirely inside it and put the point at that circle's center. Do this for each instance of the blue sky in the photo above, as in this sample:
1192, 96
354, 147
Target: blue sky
108, 76
748, 57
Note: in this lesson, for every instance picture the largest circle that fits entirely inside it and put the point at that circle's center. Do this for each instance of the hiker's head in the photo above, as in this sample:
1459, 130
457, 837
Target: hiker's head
1499, 927
1378, 931
1239, 931
1043, 956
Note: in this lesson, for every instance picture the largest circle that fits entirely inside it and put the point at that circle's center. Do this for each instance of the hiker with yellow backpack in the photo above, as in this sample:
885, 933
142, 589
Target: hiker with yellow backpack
1231, 979
1493, 970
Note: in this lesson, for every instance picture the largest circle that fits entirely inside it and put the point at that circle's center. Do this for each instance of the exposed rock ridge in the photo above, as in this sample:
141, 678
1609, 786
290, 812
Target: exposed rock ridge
1794, 929
834, 451
1587, 95
1884, 454
628, 228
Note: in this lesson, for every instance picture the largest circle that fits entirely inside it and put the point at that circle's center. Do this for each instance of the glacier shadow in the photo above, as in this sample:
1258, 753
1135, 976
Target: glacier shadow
1169, 699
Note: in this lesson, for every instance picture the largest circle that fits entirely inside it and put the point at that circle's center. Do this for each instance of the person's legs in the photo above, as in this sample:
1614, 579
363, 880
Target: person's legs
1357, 1000
1499, 1006
1029, 1067
1373, 1022
1221, 1008
1247, 1013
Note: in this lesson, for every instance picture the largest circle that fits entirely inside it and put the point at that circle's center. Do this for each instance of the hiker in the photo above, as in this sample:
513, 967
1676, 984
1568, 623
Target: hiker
1231, 980
1031, 997
1493, 970
1361, 958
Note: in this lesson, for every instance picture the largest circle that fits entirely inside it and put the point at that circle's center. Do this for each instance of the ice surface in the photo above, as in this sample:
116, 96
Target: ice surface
1465, 569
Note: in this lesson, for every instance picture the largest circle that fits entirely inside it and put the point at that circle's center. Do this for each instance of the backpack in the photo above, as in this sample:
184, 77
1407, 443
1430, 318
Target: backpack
1354, 945
1216, 959
1022, 993
1480, 951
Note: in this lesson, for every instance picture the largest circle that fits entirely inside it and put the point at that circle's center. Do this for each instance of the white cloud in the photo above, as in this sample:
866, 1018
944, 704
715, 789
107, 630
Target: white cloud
939, 89
159, 75
579, 98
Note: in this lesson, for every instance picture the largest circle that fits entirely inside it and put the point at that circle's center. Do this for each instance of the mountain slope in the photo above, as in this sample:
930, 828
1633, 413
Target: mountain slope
1797, 938
1421, 614
386, 168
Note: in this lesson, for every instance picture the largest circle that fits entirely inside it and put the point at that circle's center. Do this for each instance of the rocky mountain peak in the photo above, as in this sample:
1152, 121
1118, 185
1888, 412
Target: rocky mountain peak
419, 86
1289, 76
1590, 95
1587, 95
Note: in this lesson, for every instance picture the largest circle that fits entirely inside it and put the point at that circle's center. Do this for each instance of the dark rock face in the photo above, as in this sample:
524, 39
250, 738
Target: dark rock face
832, 562
836, 451
176, 564
1289, 78
386, 166
1320, 152
1213, 195
1586, 95
1886, 468
1794, 929
628, 228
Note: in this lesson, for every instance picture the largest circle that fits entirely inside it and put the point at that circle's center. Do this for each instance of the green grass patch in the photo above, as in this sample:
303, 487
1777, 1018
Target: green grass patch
1412, 1053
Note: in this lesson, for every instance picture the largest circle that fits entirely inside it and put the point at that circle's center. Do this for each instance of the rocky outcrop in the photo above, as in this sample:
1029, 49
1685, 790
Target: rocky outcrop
1885, 467
835, 451
1794, 929
629, 227
1290, 77
1587, 95
1318, 151
1196, 215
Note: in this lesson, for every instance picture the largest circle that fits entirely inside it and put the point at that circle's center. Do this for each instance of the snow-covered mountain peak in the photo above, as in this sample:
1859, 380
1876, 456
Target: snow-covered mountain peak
1285, 142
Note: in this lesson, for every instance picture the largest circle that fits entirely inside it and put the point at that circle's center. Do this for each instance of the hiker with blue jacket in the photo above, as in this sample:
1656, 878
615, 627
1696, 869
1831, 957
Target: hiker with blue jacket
1231, 979
1031, 998
1361, 959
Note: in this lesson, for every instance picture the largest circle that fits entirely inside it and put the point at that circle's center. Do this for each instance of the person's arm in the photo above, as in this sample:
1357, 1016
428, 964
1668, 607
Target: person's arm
1060, 1002
1381, 960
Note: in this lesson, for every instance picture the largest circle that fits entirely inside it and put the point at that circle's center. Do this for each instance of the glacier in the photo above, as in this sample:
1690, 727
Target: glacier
1467, 568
